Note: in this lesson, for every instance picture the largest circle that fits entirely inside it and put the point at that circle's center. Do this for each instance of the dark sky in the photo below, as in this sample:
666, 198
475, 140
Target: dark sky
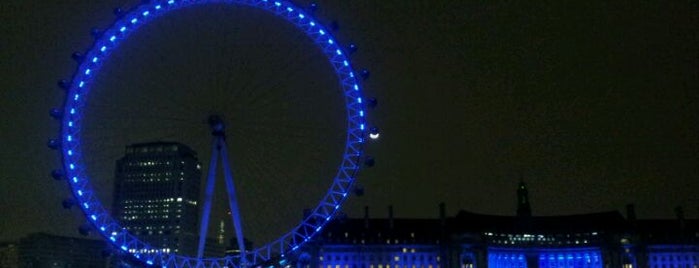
593, 104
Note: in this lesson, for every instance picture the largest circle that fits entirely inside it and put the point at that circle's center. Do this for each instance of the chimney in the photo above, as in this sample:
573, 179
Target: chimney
390, 216
366, 217
630, 212
524, 209
679, 213
442, 213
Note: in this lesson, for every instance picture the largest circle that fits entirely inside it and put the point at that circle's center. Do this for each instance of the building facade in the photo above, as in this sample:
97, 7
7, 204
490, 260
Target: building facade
41, 250
470, 240
9, 256
156, 195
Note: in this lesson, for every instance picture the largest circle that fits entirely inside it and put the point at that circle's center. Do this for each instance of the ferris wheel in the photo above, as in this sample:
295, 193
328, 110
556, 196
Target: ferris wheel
76, 159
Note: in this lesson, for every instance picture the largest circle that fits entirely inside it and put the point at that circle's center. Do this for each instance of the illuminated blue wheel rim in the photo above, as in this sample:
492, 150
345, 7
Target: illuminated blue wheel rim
97, 215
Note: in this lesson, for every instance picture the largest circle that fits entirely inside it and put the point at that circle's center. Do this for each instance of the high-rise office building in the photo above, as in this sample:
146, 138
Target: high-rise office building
156, 195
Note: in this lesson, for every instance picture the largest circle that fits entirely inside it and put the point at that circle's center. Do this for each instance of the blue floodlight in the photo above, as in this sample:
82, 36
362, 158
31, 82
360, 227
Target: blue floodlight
352, 48
77, 56
64, 84
58, 174
68, 203
53, 144
365, 74
96, 32
369, 161
372, 102
84, 230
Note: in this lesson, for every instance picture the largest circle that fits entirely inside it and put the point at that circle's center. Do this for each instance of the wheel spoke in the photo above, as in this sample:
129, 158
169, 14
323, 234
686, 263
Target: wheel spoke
256, 90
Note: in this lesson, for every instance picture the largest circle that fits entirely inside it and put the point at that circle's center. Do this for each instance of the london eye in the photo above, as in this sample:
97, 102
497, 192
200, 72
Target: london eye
83, 113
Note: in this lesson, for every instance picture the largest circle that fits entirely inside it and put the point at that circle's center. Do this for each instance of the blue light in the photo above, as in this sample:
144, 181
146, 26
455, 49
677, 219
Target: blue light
284, 8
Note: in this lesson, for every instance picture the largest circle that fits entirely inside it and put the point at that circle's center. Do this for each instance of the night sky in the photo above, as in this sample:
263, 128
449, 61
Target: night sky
594, 105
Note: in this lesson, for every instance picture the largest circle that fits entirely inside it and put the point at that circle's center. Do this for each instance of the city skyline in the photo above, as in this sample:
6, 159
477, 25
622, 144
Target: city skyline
594, 106
465, 240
